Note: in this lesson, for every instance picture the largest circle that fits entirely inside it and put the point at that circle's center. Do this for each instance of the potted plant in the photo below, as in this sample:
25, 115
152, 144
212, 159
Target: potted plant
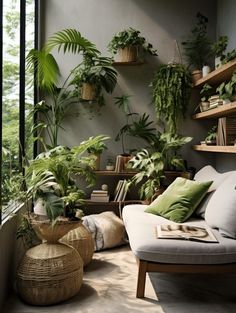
93, 75
218, 49
205, 92
170, 94
51, 177
110, 165
211, 136
197, 47
227, 90
96, 150
151, 164
231, 55
129, 44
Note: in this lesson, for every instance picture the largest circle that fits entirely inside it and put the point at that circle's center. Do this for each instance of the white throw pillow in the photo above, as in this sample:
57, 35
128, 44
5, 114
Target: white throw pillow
208, 173
221, 209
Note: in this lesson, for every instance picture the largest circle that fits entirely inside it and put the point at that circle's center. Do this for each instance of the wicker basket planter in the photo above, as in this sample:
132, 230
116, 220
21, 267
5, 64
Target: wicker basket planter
81, 239
87, 91
49, 274
127, 54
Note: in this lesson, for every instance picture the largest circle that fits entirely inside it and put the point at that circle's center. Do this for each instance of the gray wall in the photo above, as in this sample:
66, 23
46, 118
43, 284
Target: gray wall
226, 25
161, 22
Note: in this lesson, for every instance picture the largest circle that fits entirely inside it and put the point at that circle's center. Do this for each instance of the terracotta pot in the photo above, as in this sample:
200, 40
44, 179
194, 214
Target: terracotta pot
196, 75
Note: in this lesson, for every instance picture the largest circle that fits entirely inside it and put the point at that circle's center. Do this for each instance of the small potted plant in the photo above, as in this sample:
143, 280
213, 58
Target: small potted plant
129, 44
227, 90
110, 166
218, 49
211, 136
205, 93
96, 150
197, 47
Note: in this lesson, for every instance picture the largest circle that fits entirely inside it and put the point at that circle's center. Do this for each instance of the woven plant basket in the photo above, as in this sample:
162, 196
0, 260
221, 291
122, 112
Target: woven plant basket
49, 274
45, 230
87, 91
127, 54
81, 239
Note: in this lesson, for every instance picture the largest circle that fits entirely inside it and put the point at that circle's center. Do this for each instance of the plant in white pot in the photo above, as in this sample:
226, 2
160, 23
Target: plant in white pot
205, 93
130, 45
218, 49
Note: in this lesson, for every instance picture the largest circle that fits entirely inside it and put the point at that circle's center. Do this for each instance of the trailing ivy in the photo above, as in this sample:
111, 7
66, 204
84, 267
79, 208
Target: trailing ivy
170, 94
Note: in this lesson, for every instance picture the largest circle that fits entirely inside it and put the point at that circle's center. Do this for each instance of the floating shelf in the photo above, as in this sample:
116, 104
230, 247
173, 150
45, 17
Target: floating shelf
222, 149
221, 111
127, 63
222, 73
113, 173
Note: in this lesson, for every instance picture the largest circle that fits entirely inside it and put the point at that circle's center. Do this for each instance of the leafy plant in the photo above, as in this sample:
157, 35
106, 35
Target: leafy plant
59, 99
151, 165
219, 47
205, 92
99, 146
136, 125
51, 177
212, 133
197, 46
227, 89
97, 71
130, 37
170, 94
229, 56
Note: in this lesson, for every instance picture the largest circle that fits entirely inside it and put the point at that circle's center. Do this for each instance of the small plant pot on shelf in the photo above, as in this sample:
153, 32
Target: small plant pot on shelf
205, 70
87, 92
196, 75
204, 106
127, 54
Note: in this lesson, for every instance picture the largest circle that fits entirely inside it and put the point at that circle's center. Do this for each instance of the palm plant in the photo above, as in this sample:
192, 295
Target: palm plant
47, 74
51, 176
151, 165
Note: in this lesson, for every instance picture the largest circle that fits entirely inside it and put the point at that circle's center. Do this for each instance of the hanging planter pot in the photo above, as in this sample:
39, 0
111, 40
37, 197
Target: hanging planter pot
88, 91
127, 54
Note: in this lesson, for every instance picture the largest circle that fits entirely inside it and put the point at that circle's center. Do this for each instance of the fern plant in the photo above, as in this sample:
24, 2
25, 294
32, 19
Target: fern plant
170, 94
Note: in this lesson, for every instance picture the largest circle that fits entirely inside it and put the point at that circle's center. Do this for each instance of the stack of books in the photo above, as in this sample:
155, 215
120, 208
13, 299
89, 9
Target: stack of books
121, 163
215, 101
120, 191
226, 131
100, 196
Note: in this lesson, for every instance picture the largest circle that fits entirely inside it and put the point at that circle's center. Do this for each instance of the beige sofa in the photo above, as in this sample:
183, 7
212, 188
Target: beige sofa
217, 210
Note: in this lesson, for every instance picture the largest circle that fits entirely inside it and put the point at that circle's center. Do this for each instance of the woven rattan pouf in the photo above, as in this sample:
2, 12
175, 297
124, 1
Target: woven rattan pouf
49, 274
81, 239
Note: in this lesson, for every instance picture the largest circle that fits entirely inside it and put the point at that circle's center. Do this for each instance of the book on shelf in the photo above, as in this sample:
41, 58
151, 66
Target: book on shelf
117, 189
122, 192
185, 232
100, 192
99, 198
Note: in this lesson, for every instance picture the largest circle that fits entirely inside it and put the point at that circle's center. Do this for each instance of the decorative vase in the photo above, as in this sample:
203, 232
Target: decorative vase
205, 70
204, 106
196, 75
88, 92
81, 239
127, 54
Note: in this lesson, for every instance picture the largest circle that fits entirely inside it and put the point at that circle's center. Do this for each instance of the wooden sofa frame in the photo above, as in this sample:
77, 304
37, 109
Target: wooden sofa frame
145, 267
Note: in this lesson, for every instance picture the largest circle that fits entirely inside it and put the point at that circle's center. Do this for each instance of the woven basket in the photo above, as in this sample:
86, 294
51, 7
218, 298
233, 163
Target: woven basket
45, 230
49, 274
127, 54
87, 91
81, 239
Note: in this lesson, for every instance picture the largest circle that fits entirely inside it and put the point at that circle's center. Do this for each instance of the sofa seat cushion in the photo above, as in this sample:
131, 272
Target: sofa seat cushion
140, 227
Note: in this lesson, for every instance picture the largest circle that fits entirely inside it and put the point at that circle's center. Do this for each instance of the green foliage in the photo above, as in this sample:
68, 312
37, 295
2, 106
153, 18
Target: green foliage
98, 146
130, 37
206, 92
26, 233
227, 89
212, 133
229, 56
50, 177
219, 47
151, 165
197, 46
170, 94
136, 125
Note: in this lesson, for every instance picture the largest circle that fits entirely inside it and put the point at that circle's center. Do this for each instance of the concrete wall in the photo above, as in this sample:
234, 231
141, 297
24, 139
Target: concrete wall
226, 25
161, 22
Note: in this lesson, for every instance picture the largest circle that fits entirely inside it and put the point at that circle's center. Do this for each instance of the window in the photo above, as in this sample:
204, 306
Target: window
18, 21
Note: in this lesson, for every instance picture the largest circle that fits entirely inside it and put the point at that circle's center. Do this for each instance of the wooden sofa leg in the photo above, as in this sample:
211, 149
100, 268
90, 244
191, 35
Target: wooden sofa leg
142, 270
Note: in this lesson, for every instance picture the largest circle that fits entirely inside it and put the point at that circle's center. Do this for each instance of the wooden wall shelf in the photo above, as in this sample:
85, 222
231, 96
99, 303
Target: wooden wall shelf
221, 149
113, 173
219, 75
221, 111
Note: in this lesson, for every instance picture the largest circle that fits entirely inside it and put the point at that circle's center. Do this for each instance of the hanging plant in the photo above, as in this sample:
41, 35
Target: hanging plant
170, 95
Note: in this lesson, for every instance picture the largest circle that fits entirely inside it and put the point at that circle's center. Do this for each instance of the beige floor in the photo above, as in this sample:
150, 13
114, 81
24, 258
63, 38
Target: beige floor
109, 287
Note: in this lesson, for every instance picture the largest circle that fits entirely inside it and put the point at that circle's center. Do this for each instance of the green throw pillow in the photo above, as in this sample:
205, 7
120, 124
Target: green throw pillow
179, 200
